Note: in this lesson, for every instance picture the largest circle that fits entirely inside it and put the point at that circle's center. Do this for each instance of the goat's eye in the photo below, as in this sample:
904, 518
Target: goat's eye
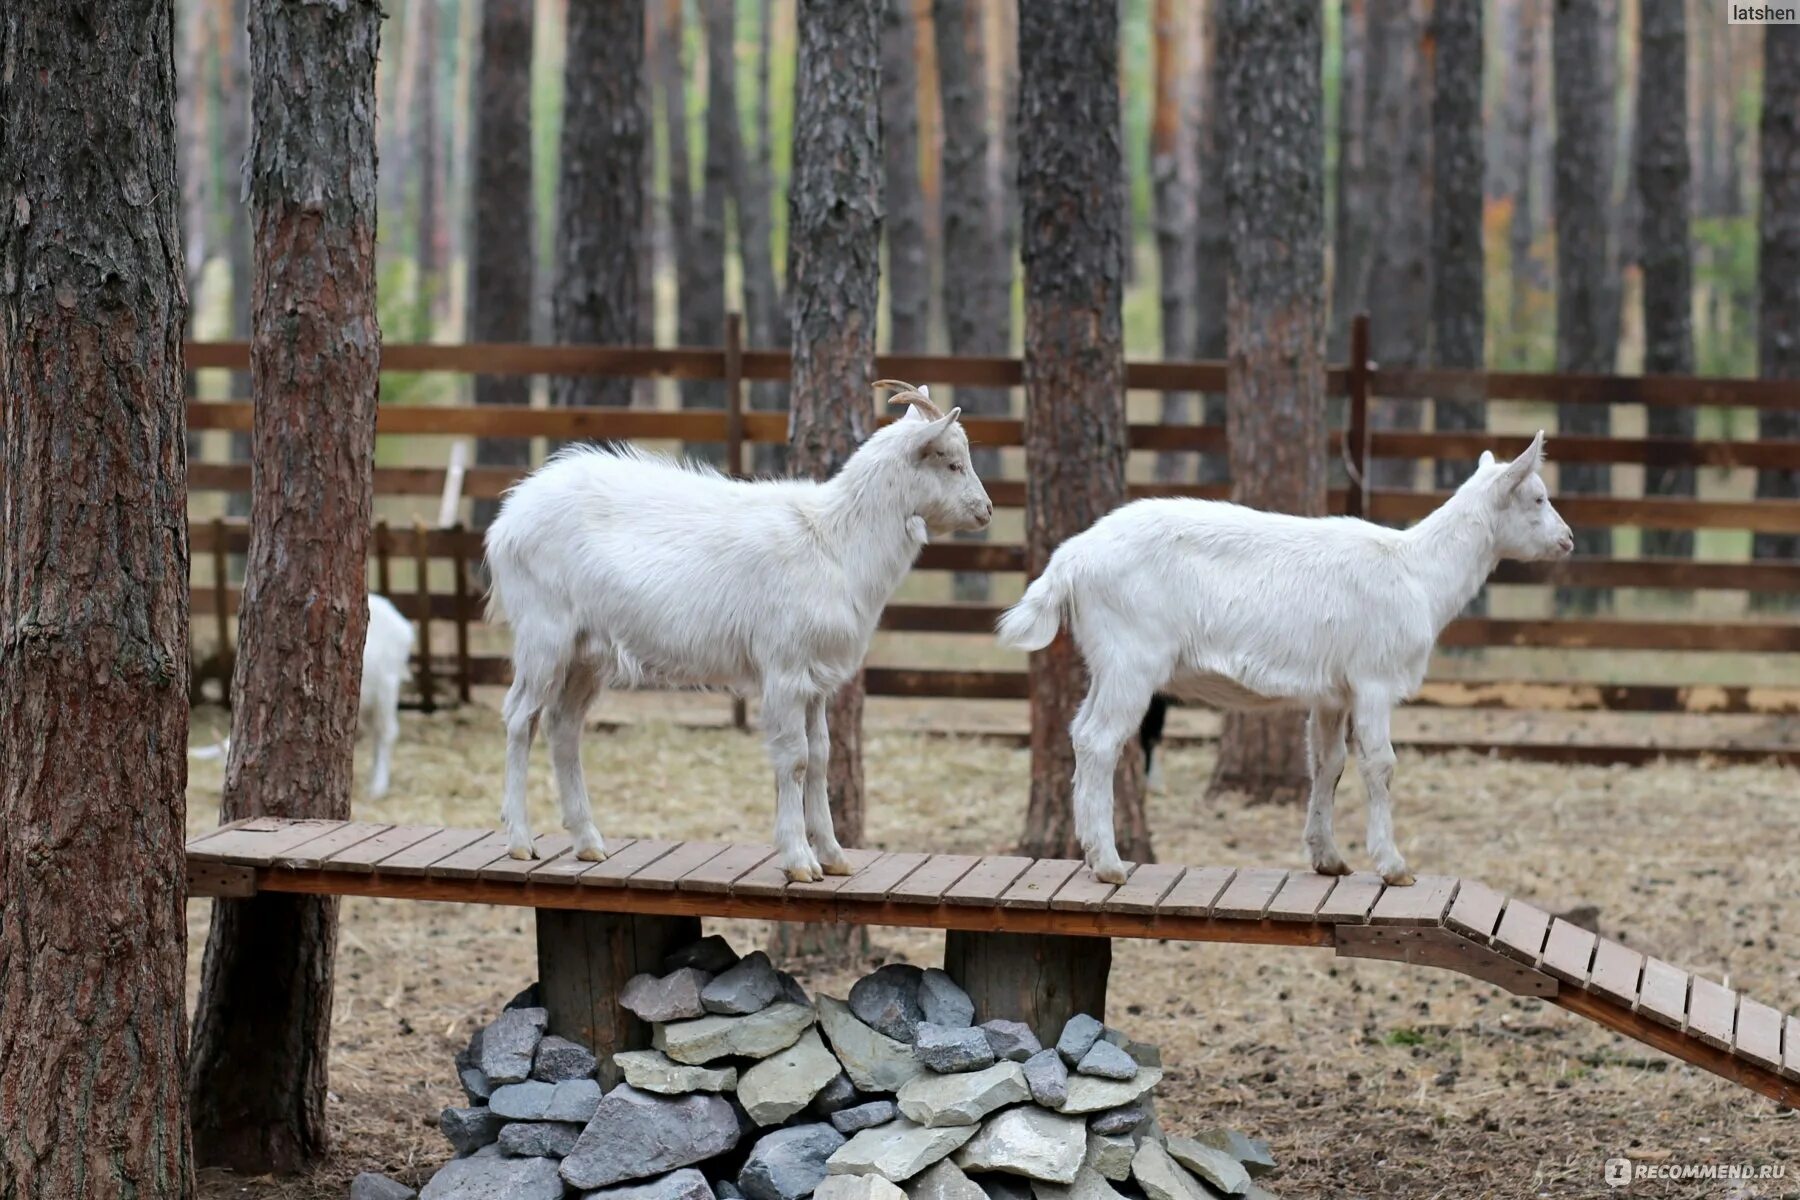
957, 467
1539, 501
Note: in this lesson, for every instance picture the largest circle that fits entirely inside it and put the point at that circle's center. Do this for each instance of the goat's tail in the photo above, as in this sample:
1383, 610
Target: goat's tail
1032, 623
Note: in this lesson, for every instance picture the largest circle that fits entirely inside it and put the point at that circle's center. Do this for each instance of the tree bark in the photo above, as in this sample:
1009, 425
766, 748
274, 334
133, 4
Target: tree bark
234, 133
1585, 342
1353, 206
427, 248
1212, 245
599, 193
1665, 246
764, 317
93, 607
1172, 185
908, 267
708, 302
503, 256
1458, 171
834, 271
1076, 445
1522, 88
1778, 268
257, 1082
1275, 180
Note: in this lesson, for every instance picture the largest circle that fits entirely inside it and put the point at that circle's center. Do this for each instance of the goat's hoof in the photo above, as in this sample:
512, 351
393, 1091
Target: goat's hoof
1113, 872
1330, 864
1398, 877
838, 865
591, 854
523, 853
803, 874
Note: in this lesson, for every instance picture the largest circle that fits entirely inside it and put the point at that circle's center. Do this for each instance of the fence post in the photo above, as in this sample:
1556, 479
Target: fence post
1356, 435
459, 562
734, 442
422, 557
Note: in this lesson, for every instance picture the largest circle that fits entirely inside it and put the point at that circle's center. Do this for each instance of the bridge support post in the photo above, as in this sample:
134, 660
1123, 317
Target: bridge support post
584, 961
1038, 978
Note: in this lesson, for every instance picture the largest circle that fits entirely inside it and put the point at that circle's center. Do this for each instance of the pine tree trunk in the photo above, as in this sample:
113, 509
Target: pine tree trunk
257, 1081
1072, 245
834, 271
764, 317
1665, 243
93, 607
1353, 206
690, 268
1585, 342
1172, 184
1276, 201
599, 193
1458, 169
708, 300
1521, 99
908, 268
1778, 271
234, 134
503, 253
427, 251
1212, 243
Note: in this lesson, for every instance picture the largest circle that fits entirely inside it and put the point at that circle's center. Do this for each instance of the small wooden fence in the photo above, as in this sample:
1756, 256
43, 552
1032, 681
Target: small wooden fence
735, 427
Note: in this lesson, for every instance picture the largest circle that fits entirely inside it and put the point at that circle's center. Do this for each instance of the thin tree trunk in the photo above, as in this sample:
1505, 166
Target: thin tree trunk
1585, 341
1276, 200
834, 270
764, 316
1072, 243
1522, 87
1778, 270
234, 135
710, 238
257, 1082
603, 161
1353, 206
427, 252
194, 122
1665, 245
1212, 240
1458, 168
503, 256
93, 607
1172, 183
908, 268
690, 268
651, 249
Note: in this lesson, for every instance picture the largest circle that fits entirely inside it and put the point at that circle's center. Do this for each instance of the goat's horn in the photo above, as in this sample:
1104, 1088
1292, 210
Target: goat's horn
908, 394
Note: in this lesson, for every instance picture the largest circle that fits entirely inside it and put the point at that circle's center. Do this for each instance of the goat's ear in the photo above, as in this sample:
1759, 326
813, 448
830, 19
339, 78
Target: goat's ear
942, 425
913, 413
1487, 459
1526, 465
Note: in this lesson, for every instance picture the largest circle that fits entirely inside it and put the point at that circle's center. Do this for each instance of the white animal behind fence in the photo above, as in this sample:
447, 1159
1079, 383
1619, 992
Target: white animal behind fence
617, 568
1241, 609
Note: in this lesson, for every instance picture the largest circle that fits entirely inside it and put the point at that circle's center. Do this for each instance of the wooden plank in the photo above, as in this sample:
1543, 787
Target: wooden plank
717, 874
1615, 972
667, 869
1424, 903
874, 882
1084, 892
1195, 893
1662, 994
1300, 897
1712, 1013
259, 842
1523, 928
1248, 893
936, 876
1568, 951
1758, 1036
767, 879
418, 858
859, 860
365, 854
1790, 1043
1144, 888
988, 881
1476, 912
467, 862
1040, 882
311, 855
566, 868
625, 863
1350, 902
549, 847
195, 843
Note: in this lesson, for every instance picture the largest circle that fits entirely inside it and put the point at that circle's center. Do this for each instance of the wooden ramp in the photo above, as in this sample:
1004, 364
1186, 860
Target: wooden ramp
1440, 921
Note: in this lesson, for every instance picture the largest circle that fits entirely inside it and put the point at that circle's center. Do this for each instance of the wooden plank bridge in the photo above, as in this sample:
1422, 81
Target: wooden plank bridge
1440, 921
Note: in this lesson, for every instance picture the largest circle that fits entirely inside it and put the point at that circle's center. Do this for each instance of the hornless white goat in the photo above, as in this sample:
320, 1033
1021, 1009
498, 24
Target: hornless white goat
1241, 609
616, 567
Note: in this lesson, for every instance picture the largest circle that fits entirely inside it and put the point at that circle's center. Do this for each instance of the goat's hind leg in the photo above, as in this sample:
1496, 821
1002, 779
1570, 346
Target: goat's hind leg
1375, 756
387, 732
563, 720
523, 701
1325, 731
1107, 718
784, 725
819, 831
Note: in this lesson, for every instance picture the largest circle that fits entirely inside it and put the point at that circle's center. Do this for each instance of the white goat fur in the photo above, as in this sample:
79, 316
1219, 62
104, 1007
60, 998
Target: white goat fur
1241, 609
616, 568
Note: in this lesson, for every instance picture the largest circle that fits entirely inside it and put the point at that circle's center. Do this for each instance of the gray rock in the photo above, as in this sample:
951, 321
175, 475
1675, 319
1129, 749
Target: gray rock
1028, 1141
857, 1187
493, 1177
874, 1061
944, 1180
654, 1071
898, 1150
1089, 1185
1090, 1094
864, 1116
509, 1042
1254, 1153
674, 997
1162, 1178
1078, 1037
784, 1083
789, 1163
370, 1186
1144, 1054
756, 1036
791, 991
835, 1096
1107, 1061
937, 1100
1047, 1078
685, 1184
571, 1100
1119, 1120
748, 987
469, 1129
470, 1055
1110, 1154
559, 1059
888, 1001
1011, 1040
634, 1135
710, 954
476, 1086
1212, 1166
727, 1190
943, 1001
531, 997
539, 1139
952, 1048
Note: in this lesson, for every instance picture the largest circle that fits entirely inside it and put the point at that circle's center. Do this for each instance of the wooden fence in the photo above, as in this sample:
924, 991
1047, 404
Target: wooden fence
1357, 443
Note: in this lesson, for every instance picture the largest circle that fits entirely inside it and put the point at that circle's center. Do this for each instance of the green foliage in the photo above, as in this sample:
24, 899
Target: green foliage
1725, 254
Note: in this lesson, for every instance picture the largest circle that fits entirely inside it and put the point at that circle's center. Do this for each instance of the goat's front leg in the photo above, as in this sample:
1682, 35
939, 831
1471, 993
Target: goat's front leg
784, 722
563, 720
387, 732
1108, 717
1325, 731
521, 713
819, 831
1375, 757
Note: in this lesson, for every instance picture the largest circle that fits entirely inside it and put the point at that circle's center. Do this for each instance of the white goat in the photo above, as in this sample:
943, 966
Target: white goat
1241, 609
387, 652
616, 567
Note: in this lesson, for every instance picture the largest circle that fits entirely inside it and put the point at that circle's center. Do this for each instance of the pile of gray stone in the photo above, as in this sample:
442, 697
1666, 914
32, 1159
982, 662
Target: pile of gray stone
754, 1091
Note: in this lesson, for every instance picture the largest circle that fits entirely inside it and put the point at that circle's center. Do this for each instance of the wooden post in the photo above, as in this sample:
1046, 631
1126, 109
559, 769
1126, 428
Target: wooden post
1040, 979
422, 557
584, 961
734, 443
1356, 434
459, 563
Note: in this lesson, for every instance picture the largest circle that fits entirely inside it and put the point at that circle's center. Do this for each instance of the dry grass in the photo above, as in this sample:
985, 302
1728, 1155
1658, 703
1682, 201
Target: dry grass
1369, 1078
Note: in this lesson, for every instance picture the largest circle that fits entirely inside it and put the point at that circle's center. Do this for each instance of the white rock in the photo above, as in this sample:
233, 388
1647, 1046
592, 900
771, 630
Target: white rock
1111, 1154
857, 1187
874, 1061
654, 1071
1162, 1178
1030, 1142
784, 1083
963, 1099
1211, 1165
758, 1035
896, 1151
1088, 1093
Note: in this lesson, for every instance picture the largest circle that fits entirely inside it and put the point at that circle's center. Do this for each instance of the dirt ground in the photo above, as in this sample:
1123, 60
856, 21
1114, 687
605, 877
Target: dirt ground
1369, 1079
